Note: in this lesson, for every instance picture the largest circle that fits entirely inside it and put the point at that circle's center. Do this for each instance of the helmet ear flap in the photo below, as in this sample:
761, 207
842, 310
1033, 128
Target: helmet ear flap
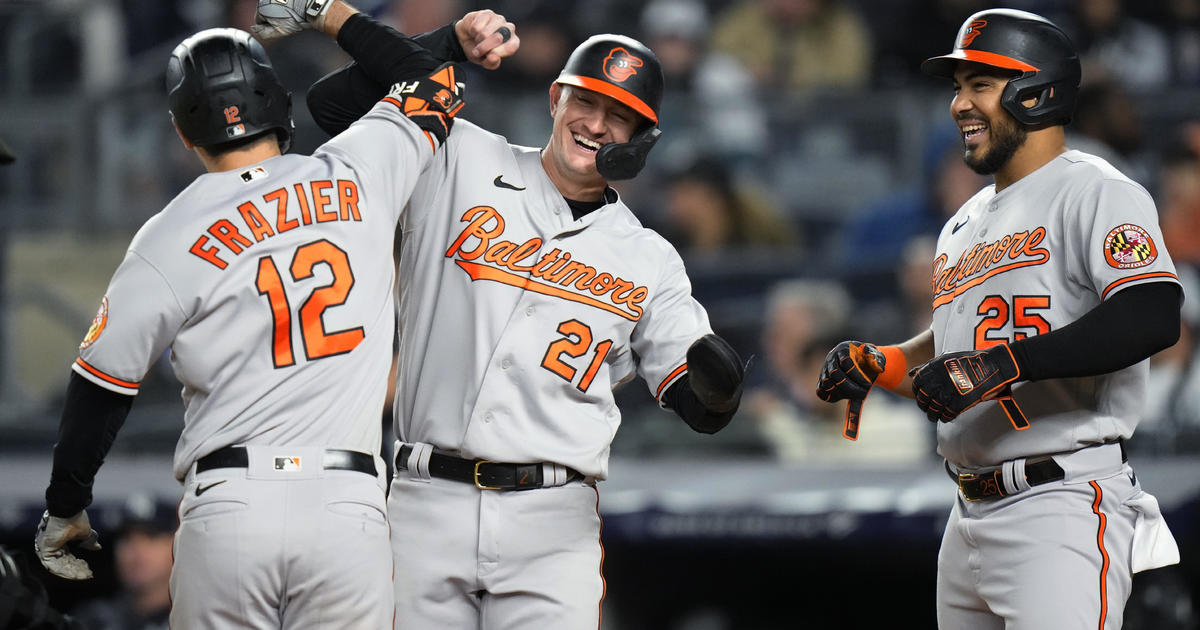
616, 161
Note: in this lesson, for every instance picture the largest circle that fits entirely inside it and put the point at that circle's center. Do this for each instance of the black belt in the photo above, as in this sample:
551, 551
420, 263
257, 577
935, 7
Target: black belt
332, 459
481, 473
990, 485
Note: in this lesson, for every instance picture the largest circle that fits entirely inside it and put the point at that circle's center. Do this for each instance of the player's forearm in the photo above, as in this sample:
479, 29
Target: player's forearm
335, 18
90, 420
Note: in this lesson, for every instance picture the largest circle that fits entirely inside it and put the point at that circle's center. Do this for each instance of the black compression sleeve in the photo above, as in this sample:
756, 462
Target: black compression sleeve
91, 418
680, 398
383, 56
1122, 330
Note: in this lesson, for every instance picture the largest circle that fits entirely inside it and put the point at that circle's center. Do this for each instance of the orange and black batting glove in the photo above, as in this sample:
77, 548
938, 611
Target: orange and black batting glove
431, 102
850, 370
956, 381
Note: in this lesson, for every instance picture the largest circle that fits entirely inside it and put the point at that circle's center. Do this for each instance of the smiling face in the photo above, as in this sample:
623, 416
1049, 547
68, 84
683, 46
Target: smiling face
584, 121
990, 134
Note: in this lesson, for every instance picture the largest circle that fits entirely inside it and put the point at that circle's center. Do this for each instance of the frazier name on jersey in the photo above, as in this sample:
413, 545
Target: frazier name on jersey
311, 202
502, 262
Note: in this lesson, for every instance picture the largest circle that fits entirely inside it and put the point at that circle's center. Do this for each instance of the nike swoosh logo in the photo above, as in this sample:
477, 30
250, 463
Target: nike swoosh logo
500, 183
202, 489
958, 225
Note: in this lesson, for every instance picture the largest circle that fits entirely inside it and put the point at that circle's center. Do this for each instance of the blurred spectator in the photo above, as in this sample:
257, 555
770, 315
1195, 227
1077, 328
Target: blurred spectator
1106, 124
910, 311
1182, 24
1114, 45
796, 44
708, 211
805, 318
710, 105
1179, 196
143, 556
1173, 390
875, 238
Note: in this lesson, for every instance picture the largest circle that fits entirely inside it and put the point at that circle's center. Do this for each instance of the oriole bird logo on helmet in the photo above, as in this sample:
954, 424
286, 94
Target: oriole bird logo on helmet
619, 65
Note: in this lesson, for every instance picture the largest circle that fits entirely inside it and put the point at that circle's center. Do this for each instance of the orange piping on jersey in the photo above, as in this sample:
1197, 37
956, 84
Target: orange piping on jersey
479, 271
1140, 276
1103, 552
670, 377
603, 582
104, 377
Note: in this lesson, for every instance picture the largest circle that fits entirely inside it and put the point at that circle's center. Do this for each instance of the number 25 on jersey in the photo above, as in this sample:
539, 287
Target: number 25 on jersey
318, 343
997, 313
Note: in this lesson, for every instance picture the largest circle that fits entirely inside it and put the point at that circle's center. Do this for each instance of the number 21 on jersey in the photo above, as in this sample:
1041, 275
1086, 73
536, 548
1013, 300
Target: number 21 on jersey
575, 342
318, 343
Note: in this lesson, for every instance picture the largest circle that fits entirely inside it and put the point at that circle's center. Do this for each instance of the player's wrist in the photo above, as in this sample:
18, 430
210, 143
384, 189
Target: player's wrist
895, 367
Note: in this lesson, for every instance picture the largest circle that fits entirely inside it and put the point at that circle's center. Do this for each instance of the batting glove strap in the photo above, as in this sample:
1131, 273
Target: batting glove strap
956, 381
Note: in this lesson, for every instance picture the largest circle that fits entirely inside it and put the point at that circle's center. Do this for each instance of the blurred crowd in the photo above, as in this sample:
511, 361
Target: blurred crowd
805, 170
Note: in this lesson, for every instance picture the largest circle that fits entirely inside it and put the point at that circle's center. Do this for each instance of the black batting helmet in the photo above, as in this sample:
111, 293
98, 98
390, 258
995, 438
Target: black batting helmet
221, 88
1029, 44
628, 71
620, 67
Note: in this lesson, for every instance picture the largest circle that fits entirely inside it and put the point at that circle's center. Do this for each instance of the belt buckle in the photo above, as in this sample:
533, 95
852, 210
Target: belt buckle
479, 463
963, 491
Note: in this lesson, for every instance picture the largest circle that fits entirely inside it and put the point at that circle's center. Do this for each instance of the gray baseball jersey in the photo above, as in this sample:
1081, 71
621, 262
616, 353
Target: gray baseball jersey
271, 287
1031, 259
1025, 261
516, 322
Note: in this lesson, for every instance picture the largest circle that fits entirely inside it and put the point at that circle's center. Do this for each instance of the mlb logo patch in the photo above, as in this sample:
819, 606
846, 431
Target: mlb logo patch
287, 464
234, 131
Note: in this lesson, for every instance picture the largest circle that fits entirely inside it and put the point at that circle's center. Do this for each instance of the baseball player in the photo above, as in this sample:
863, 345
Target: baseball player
269, 281
527, 292
1051, 289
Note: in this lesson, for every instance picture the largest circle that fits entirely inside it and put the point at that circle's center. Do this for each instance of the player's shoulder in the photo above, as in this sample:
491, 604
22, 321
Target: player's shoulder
1090, 170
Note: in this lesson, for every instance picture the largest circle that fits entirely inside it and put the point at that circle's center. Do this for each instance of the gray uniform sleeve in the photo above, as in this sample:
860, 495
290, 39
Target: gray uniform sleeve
139, 316
672, 320
1123, 246
386, 149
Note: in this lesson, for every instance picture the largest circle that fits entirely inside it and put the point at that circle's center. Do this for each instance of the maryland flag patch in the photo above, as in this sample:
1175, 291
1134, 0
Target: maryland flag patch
98, 324
1129, 246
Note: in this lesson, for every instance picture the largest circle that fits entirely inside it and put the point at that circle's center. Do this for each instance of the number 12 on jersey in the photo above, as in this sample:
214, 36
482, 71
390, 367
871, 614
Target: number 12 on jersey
318, 343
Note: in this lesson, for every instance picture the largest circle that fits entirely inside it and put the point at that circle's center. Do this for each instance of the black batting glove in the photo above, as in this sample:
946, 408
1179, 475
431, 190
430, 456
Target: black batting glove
715, 372
956, 381
849, 371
